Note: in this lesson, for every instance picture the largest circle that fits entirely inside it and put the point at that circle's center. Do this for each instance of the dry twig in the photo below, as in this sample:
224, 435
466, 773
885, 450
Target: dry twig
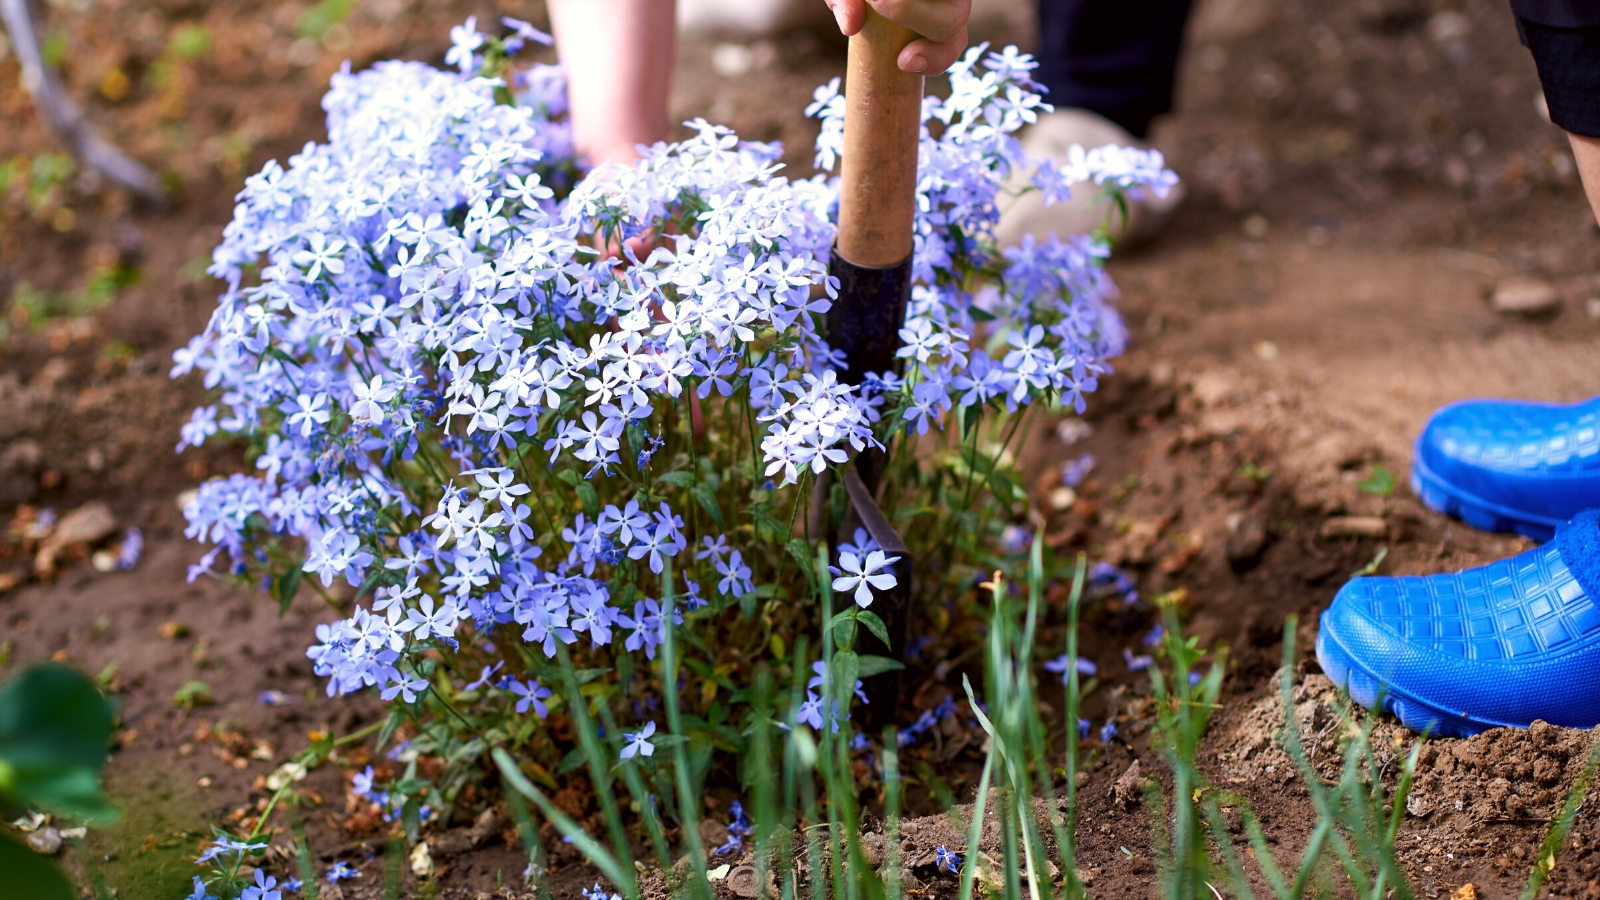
63, 117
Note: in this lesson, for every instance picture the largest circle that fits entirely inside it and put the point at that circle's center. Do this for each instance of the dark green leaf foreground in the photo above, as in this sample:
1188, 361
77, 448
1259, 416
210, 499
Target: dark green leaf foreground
55, 729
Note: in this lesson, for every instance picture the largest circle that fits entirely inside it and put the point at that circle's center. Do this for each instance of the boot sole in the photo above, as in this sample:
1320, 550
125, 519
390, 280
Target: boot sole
1369, 691
1440, 496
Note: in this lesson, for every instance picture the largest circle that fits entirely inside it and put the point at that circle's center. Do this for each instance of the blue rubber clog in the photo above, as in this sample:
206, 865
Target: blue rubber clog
1503, 465
1458, 653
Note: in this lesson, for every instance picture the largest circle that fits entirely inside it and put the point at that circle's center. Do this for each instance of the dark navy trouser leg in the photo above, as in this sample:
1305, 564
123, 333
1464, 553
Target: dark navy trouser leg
1117, 58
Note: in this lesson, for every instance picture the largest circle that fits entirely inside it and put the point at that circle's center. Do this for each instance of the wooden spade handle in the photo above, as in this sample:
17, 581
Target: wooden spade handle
882, 121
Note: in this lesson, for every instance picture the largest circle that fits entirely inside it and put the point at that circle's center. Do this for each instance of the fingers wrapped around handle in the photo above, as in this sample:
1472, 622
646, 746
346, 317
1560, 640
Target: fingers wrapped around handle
940, 26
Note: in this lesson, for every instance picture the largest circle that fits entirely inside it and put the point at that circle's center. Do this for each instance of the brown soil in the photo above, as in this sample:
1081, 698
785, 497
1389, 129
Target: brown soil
1360, 175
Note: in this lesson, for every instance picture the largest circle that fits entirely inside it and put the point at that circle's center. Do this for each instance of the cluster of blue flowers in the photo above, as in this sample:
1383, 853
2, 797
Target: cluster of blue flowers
1105, 578
225, 855
390, 804
739, 828
926, 722
423, 347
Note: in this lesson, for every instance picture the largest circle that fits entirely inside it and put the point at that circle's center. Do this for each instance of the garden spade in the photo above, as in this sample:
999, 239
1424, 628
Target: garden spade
872, 260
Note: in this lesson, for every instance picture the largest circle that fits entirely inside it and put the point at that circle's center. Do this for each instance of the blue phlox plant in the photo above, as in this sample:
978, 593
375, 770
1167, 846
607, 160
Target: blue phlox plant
492, 445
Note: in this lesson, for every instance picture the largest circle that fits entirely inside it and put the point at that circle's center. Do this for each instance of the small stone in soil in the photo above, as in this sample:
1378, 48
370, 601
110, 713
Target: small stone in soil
1071, 431
87, 524
46, 841
1246, 543
1523, 296
1355, 526
1129, 789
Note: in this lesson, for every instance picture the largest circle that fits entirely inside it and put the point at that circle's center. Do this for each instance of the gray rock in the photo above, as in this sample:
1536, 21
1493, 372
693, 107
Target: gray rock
1246, 543
1129, 789
24, 457
87, 524
1521, 295
1355, 526
712, 834
742, 882
46, 840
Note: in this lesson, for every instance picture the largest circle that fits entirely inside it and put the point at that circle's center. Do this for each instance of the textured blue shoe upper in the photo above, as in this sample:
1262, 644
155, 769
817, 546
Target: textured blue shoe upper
1523, 462
1504, 644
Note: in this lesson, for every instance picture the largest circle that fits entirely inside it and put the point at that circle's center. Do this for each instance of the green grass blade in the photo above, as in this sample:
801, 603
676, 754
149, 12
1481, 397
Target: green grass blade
588, 846
688, 812
1310, 857
599, 775
763, 813
528, 834
640, 795
975, 830
1561, 827
1238, 882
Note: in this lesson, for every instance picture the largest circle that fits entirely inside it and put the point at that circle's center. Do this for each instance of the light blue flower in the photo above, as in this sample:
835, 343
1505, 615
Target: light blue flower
638, 743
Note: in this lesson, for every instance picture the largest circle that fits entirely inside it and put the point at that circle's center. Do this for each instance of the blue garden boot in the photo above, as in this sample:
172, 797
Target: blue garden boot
1458, 653
1505, 465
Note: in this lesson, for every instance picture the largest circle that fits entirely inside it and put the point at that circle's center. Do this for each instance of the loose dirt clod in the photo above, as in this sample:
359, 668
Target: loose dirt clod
1506, 775
1503, 776
172, 630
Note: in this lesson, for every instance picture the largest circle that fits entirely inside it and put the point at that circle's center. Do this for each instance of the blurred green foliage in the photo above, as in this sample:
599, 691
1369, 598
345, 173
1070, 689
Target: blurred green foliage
190, 41
1378, 482
315, 22
55, 729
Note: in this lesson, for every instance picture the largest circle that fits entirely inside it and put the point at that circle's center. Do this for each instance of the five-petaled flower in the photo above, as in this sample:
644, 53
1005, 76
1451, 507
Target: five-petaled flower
321, 254
226, 845
532, 694
638, 743
265, 888
862, 574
